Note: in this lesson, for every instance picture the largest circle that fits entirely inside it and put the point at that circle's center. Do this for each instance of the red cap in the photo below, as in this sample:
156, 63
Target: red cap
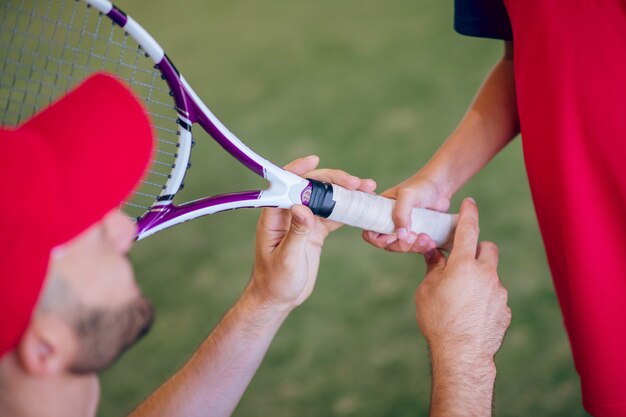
64, 169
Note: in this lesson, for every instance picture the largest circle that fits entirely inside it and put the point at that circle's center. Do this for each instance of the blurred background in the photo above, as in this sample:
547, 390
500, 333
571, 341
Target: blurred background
372, 87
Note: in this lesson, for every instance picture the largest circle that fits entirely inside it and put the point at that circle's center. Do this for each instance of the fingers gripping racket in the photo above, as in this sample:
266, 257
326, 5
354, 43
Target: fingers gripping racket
50, 46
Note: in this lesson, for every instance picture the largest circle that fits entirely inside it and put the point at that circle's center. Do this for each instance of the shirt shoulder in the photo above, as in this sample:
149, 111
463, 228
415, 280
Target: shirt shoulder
482, 18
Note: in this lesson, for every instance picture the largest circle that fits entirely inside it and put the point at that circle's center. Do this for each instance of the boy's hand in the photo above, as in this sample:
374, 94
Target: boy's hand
417, 191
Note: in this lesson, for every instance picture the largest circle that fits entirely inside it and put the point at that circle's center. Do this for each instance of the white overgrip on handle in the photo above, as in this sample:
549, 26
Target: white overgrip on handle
373, 212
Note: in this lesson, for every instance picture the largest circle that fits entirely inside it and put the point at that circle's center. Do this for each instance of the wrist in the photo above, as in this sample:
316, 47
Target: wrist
471, 368
438, 179
463, 361
447, 168
259, 299
462, 384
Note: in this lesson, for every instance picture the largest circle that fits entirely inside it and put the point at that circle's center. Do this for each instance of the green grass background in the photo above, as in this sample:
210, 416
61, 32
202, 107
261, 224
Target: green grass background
373, 88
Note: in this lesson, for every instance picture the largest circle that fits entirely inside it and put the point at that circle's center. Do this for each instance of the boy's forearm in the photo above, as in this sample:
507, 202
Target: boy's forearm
490, 123
214, 379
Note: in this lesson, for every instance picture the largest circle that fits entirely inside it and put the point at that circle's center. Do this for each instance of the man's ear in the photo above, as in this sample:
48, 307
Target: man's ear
47, 347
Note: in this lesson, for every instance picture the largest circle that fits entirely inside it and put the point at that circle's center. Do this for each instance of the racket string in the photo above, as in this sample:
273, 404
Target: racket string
137, 206
72, 63
53, 45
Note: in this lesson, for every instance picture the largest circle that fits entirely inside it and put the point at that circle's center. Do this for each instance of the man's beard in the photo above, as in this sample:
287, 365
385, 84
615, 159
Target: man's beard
103, 335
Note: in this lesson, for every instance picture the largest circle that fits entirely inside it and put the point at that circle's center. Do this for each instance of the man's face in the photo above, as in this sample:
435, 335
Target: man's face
92, 286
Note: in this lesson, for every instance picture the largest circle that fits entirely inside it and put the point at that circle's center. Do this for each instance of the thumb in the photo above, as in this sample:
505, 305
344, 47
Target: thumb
434, 260
301, 226
405, 202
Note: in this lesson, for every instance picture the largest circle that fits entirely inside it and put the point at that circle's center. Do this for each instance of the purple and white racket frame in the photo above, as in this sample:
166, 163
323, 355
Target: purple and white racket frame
286, 189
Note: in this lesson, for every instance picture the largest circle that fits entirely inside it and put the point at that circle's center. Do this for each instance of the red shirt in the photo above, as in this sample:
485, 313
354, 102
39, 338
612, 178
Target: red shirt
570, 73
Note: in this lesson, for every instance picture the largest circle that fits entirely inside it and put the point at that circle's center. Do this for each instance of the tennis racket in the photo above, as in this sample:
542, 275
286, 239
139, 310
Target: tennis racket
49, 46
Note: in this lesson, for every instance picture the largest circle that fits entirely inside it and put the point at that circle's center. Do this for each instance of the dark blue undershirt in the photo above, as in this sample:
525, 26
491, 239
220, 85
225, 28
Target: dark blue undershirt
482, 18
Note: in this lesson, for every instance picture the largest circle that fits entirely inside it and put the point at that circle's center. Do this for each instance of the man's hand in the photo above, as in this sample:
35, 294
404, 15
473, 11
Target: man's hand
462, 301
289, 243
462, 311
287, 258
417, 191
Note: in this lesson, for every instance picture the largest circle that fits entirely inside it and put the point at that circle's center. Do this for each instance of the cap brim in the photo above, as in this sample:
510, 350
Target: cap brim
102, 140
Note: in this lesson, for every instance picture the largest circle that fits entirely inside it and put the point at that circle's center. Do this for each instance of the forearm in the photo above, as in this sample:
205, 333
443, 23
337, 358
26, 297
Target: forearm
461, 386
490, 123
214, 379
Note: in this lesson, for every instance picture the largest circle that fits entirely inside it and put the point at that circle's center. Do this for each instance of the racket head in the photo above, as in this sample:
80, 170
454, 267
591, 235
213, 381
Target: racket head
53, 45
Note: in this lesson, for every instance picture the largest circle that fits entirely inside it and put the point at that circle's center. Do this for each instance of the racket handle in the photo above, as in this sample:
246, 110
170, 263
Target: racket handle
373, 212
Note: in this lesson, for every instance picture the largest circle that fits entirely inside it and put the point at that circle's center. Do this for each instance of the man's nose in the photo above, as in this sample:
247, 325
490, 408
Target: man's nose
120, 230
